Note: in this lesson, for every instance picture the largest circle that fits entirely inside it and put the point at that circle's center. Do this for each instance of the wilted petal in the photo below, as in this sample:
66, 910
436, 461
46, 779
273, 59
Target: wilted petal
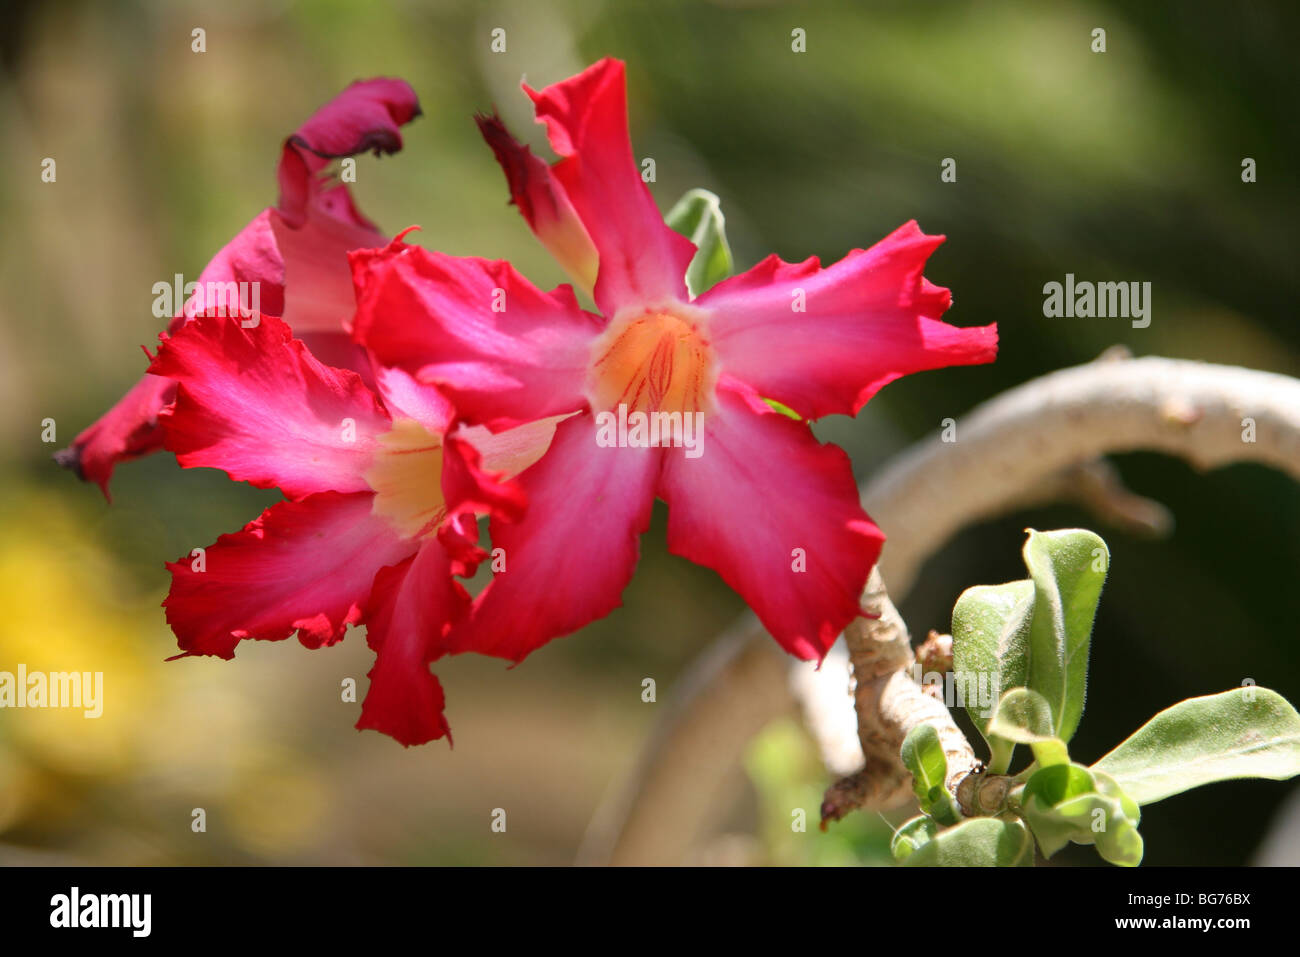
365, 117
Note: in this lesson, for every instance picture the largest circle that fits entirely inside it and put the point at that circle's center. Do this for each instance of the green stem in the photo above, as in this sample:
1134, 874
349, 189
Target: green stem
1000, 758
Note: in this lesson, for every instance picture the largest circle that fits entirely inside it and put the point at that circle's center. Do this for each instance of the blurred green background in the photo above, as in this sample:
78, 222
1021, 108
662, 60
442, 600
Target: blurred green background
1117, 166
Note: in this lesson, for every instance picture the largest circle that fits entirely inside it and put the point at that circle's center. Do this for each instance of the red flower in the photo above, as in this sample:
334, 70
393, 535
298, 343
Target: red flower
295, 251
380, 516
775, 512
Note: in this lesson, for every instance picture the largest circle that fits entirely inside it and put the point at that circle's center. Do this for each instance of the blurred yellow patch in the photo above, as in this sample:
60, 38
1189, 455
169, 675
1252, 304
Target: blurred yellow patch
63, 611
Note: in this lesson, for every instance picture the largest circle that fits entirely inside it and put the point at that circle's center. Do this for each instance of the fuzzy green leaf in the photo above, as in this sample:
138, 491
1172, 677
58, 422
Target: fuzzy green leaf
1068, 568
1068, 802
911, 835
990, 645
1025, 717
977, 842
1244, 733
922, 754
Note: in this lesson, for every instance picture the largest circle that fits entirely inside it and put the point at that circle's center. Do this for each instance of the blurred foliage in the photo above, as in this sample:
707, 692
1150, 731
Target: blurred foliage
1123, 165
783, 764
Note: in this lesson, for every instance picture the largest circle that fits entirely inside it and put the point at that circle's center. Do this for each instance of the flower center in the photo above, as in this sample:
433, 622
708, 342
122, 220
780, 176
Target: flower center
655, 362
406, 474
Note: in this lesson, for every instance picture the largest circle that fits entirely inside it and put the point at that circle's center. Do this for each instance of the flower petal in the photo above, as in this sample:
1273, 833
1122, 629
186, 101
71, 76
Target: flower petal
405, 397
502, 350
257, 404
642, 260
567, 561
318, 282
366, 116
305, 566
515, 449
126, 431
776, 514
469, 489
316, 221
130, 428
543, 202
824, 341
410, 609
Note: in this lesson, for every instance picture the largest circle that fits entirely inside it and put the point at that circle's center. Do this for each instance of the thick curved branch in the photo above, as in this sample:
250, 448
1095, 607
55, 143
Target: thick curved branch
889, 703
1006, 452
1011, 445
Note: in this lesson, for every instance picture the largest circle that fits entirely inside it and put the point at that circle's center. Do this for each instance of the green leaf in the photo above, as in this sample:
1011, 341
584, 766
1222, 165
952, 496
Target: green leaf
922, 754
1108, 786
698, 217
1045, 790
911, 835
1068, 568
1068, 802
1100, 821
1060, 782
1244, 733
990, 646
1120, 843
977, 842
1025, 717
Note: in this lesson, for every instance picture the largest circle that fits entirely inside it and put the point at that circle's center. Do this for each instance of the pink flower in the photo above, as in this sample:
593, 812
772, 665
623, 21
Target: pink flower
381, 511
758, 498
296, 253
